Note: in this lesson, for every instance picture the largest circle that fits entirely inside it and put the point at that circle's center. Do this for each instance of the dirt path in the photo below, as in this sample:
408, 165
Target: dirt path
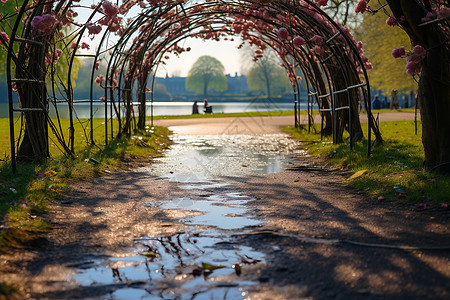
222, 197
254, 125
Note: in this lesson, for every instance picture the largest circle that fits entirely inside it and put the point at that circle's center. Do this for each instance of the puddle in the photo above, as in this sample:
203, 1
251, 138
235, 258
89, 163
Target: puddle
176, 266
201, 158
222, 211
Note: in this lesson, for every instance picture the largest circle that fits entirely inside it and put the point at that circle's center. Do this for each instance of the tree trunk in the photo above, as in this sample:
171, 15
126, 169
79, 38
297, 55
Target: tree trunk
142, 106
434, 90
323, 103
434, 100
33, 94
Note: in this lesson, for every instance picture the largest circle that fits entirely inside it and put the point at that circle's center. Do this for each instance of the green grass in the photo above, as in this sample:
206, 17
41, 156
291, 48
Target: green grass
387, 110
25, 196
225, 115
393, 167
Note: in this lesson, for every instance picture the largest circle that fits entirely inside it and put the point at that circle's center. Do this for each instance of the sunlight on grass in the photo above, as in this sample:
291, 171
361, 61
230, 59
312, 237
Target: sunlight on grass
230, 115
27, 194
393, 167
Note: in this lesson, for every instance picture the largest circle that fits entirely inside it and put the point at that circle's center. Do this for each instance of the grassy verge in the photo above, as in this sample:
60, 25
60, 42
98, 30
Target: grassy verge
227, 115
392, 172
25, 196
260, 114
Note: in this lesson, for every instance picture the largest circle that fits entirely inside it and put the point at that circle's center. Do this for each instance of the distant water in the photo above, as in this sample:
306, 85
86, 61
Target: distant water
169, 108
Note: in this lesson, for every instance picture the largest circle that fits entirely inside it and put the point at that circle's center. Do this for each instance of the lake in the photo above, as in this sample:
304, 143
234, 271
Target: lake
171, 108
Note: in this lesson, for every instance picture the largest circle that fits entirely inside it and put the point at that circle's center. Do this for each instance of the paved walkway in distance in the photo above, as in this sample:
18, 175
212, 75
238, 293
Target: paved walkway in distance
253, 125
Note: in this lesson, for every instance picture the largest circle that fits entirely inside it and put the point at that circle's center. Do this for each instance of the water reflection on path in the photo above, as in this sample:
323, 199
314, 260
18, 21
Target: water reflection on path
209, 157
178, 266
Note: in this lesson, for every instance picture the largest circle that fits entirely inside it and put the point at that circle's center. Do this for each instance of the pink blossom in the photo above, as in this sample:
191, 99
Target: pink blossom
100, 78
5, 36
318, 50
4, 1
110, 9
317, 39
97, 64
322, 2
185, 22
443, 13
361, 6
283, 33
429, 16
71, 14
359, 45
391, 20
398, 52
102, 99
298, 41
44, 23
93, 29
58, 53
413, 67
419, 51
258, 53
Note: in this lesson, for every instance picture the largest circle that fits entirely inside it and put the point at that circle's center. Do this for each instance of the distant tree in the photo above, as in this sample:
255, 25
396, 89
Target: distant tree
267, 75
206, 73
343, 11
387, 72
7, 18
160, 91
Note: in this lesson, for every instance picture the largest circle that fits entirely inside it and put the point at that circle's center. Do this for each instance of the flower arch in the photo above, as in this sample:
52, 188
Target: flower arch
307, 40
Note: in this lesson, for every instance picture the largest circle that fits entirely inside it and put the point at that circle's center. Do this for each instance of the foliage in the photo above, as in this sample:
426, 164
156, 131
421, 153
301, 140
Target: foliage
379, 40
206, 73
395, 165
343, 11
267, 75
7, 11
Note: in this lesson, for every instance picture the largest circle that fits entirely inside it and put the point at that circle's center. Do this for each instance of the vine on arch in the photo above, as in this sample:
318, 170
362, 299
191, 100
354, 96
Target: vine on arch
307, 40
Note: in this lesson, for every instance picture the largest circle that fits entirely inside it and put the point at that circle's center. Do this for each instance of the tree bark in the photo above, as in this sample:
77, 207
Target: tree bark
32, 94
434, 90
323, 103
142, 105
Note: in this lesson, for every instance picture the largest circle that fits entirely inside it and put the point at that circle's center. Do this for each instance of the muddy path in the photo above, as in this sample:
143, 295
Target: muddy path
245, 215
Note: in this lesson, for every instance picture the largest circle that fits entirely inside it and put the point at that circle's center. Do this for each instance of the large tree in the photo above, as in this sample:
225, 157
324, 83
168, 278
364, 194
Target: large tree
206, 73
429, 61
267, 75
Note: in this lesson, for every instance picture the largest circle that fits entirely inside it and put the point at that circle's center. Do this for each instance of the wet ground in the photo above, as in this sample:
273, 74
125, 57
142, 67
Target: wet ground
203, 261
235, 216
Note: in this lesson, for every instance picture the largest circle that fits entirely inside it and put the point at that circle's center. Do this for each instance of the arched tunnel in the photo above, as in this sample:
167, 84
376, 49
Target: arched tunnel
132, 41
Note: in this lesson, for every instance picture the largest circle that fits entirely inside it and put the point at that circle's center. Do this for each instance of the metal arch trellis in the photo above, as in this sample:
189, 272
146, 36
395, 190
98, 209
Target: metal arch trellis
162, 32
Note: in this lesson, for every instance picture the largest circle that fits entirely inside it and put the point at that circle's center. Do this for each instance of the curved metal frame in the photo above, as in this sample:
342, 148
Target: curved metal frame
161, 34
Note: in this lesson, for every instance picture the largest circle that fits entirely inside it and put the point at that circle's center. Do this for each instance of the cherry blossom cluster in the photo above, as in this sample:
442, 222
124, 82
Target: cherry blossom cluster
438, 14
414, 58
258, 25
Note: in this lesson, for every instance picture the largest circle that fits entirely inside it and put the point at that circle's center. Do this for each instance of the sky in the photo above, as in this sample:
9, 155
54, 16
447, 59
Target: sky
225, 51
